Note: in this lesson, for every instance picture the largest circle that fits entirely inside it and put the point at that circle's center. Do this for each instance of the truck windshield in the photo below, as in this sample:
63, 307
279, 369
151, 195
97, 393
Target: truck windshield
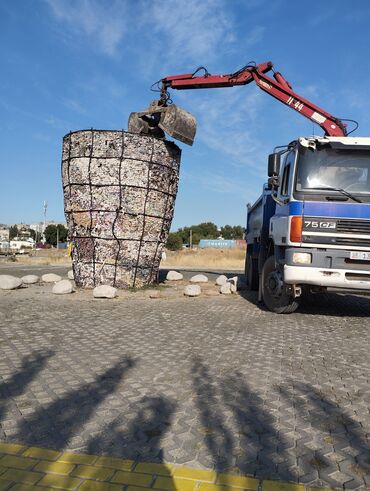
342, 169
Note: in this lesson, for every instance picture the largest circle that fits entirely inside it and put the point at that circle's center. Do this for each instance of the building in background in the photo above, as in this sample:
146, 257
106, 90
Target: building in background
4, 234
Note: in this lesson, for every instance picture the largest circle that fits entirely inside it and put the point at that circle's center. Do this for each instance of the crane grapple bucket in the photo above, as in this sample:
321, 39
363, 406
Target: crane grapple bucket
178, 123
174, 120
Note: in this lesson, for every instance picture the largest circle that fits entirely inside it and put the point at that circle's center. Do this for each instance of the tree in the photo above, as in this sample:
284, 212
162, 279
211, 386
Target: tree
51, 233
32, 233
174, 241
13, 232
206, 230
232, 232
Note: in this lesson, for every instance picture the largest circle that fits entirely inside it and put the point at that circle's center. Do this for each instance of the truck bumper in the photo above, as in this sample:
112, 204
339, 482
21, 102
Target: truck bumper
336, 278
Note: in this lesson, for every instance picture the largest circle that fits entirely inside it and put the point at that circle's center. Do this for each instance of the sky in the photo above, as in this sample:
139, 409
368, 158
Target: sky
76, 64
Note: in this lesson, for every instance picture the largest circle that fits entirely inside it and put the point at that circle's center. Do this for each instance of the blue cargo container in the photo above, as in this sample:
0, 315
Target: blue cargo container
217, 244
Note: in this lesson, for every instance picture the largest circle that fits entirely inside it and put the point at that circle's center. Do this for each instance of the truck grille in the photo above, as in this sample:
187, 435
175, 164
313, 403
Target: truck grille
332, 240
353, 226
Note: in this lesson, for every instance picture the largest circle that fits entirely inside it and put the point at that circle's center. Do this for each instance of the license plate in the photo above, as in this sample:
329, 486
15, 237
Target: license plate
360, 255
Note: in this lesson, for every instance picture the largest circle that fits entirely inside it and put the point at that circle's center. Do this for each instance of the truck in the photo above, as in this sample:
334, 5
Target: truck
310, 228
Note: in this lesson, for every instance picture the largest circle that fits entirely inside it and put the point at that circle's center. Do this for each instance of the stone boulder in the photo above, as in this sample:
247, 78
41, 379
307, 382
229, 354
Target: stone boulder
50, 278
104, 291
226, 289
192, 291
30, 279
62, 287
8, 282
233, 284
221, 280
199, 278
70, 275
174, 276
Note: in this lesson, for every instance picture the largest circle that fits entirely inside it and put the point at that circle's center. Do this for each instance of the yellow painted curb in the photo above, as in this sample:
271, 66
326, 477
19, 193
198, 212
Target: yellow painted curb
34, 468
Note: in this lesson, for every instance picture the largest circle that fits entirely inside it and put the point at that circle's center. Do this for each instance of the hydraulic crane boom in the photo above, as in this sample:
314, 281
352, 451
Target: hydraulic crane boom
182, 125
277, 87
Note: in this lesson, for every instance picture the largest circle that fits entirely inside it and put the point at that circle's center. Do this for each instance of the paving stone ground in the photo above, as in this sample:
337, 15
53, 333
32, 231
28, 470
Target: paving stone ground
215, 383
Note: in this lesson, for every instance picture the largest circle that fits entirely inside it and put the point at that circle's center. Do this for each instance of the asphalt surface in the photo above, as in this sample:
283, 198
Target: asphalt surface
213, 382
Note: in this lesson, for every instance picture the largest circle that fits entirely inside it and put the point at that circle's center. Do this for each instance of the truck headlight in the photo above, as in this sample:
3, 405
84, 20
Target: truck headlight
302, 258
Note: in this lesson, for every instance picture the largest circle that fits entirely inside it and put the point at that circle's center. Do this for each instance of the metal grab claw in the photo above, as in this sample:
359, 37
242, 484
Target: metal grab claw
159, 118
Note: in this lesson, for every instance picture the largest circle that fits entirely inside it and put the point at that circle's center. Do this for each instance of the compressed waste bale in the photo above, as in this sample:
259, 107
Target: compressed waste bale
119, 196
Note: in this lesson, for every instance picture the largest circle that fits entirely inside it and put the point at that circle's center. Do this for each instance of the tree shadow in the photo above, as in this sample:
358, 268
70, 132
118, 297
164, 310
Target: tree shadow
294, 434
254, 448
342, 445
262, 447
217, 437
140, 438
55, 425
17, 384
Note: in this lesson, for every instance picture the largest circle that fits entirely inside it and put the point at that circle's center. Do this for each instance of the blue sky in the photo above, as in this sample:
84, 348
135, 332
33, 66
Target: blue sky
75, 64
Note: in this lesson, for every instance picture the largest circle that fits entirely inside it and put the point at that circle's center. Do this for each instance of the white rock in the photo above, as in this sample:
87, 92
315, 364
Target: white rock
199, 278
225, 289
29, 279
62, 287
221, 280
50, 278
8, 282
174, 276
192, 291
70, 275
105, 291
233, 284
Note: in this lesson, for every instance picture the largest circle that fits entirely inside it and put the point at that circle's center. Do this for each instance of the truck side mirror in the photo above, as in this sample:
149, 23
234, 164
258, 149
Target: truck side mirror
273, 165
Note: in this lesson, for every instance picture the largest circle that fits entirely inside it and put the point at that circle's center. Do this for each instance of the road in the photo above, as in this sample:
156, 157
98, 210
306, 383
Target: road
211, 382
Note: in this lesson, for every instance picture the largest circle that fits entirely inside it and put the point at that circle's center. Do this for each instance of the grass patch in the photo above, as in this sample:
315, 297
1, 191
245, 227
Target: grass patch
221, 259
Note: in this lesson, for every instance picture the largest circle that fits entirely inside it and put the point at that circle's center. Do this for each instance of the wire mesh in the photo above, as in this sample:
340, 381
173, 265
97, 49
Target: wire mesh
119, 196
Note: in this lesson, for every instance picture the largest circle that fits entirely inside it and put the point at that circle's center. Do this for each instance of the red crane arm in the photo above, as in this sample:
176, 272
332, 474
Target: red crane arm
277, 87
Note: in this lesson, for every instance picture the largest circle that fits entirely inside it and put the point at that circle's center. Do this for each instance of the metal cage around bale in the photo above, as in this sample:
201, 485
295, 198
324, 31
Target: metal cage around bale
119, 196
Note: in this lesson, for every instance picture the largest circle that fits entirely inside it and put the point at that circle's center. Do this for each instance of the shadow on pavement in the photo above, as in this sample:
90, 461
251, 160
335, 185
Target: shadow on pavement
17, 384
335, 304
55, 425
343, 444
218, 439
330, 304
138, 439
295, 434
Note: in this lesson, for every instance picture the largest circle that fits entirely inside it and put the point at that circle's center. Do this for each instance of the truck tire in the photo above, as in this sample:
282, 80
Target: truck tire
274, 293
251, 272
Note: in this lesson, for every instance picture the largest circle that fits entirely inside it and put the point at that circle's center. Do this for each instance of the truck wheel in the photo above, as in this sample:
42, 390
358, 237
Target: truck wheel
274, 293
252, 273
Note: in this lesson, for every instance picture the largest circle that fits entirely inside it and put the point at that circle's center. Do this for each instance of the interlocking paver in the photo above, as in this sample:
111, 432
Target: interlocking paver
4, 485
60, 482
217, 384
17, 462
92, 472
54, 468
20, 476
136, 479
